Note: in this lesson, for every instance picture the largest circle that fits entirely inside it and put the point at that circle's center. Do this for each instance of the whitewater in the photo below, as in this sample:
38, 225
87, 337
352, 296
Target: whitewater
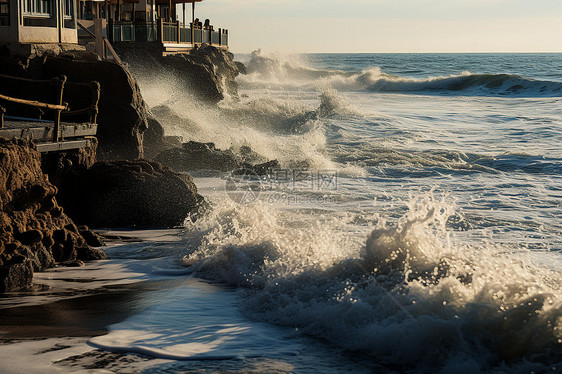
414, 224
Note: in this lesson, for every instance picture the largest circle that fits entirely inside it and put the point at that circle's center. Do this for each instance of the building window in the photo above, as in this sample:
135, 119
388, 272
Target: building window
37, 8
4, 13
68, 9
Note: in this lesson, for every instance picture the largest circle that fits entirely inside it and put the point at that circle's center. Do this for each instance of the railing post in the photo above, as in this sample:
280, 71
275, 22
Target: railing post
56, 127
220, 36
179, 31
99, 38
192, 34
162, 30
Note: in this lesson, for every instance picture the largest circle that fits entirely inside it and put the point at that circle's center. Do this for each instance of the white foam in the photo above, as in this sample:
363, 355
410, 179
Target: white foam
412, 296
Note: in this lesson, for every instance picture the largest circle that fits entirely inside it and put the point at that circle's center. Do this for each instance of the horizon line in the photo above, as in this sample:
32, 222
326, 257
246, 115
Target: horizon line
474, 53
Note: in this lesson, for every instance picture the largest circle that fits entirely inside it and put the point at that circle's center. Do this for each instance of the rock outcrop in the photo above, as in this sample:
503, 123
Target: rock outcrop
196, 156
128, 193
208, 72
122, 117
35, 233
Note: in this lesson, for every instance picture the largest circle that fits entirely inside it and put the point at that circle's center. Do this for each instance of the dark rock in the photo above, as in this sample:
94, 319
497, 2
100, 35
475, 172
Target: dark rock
261, 169
241, 67
90, 254
122, 117
56, 164
91, 238
128, 193
30, 237
16, 277
154, 141
208, 72
72, 263
195, 156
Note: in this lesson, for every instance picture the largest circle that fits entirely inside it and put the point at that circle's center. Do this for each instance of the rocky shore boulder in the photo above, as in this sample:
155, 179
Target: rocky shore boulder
128, 194
196, 156
35, 233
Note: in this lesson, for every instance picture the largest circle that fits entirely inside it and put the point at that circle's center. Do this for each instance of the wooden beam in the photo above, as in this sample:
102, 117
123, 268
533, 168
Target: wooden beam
40, 132
62, 146
112, 51
34, 103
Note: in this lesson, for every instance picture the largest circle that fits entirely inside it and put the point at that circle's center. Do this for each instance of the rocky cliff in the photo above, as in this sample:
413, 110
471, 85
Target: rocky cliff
35, 232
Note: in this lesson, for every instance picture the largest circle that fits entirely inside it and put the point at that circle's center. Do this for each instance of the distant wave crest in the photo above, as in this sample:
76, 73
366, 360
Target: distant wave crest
293, 71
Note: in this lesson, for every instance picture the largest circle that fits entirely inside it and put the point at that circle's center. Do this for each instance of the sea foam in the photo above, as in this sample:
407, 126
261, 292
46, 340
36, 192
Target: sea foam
408, 294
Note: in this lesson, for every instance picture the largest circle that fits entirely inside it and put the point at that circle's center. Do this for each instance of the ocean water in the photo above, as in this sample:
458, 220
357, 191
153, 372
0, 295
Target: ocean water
414, 225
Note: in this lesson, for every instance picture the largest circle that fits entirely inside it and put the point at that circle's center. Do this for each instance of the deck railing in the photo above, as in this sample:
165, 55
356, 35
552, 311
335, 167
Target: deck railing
166, 33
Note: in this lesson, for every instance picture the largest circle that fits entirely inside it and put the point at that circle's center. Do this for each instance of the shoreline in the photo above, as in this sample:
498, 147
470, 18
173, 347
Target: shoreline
90, 297
50, 328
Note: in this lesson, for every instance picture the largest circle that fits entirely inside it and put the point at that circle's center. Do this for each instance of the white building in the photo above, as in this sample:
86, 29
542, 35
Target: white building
38, 21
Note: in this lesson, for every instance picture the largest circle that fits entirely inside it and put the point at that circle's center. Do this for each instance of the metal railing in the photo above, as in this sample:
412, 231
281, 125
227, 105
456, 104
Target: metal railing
166, 32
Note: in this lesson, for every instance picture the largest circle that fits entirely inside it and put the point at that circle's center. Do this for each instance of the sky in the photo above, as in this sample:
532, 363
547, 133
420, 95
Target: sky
370, 26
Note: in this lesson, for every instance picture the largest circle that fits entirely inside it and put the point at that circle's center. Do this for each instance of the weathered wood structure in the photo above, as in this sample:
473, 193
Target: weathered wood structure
38, 111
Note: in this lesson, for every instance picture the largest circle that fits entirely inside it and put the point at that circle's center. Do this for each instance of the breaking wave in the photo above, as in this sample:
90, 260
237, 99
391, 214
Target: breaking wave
404, 293
294, 71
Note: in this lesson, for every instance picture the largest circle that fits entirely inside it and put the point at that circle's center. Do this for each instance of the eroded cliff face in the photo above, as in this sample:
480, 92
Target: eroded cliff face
35, 233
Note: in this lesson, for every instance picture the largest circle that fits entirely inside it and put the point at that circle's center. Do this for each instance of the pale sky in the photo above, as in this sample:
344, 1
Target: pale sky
300, 26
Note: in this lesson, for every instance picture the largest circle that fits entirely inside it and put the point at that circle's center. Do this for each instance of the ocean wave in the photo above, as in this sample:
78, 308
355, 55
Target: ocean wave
464, 84
409, 297
280, 67
401, 163
268, 69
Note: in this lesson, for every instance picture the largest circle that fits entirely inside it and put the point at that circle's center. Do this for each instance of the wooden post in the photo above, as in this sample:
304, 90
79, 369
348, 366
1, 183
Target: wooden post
98, 31
162, 30
2, 112
170, 13
178, 31
95, 87
220, 36
56, 128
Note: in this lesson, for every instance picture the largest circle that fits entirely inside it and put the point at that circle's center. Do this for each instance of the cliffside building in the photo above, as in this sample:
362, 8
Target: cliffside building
38, 21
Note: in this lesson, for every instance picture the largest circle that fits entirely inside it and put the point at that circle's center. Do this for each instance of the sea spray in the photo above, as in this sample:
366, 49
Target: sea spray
411, 297
281, 129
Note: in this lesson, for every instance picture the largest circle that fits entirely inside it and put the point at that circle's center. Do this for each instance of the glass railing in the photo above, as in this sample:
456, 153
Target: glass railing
166, 32
169, 32
134, 32
185, 35
215, 37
